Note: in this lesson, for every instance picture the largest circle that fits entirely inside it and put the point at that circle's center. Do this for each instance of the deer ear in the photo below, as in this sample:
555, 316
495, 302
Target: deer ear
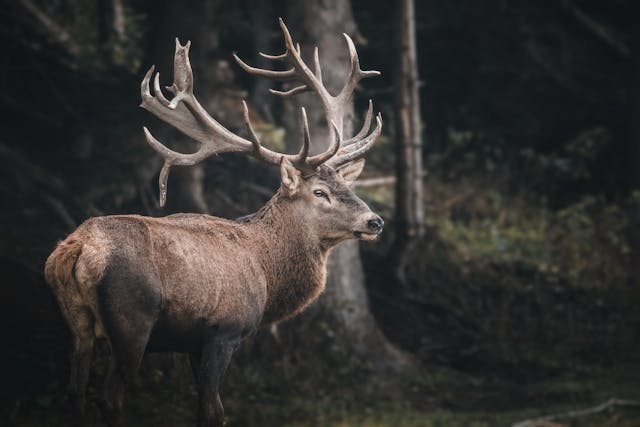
351, 171
290, 176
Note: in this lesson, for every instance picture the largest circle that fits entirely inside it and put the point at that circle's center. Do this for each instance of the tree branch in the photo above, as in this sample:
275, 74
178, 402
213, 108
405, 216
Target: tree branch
60, 35
558, 75
375, 181
599, 30
613, 402
119, 22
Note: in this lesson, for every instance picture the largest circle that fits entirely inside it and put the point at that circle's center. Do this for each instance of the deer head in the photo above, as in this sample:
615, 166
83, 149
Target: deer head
315, 186
328, 204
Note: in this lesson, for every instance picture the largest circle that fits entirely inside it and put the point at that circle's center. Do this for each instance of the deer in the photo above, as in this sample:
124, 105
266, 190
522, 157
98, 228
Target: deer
199, 284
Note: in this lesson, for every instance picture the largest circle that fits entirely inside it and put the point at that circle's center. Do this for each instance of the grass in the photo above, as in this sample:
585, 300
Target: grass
460, 401
376, 416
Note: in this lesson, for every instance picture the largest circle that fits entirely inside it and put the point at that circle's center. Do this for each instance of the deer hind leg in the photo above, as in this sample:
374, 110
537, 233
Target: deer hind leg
218, 348
80, 321
129, 306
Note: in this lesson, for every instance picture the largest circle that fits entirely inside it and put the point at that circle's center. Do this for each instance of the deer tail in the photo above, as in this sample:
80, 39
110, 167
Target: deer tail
60, 266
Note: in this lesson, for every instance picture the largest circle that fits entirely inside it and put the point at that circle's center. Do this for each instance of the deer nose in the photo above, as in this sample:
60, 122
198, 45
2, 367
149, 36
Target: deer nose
375, 224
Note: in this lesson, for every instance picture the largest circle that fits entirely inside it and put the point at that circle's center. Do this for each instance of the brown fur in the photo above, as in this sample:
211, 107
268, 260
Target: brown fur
166, 284
60, 266
210, 267
60, 273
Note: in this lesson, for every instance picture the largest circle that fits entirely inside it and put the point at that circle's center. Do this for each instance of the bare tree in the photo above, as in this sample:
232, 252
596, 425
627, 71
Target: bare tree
408, 135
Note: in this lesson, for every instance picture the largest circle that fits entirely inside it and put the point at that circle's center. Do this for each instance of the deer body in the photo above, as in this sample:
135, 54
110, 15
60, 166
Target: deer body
274, 271
199, 284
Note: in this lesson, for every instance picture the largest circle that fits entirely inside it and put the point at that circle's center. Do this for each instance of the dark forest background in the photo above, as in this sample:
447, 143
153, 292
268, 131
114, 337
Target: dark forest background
520, 299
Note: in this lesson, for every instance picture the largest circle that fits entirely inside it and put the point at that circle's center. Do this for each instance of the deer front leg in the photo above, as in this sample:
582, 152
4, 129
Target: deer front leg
220, 342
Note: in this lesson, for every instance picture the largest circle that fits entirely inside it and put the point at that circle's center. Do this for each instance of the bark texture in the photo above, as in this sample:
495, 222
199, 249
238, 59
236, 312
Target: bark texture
408, 131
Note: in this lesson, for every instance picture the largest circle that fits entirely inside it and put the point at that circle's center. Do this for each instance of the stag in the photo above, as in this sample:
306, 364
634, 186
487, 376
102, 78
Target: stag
198, 284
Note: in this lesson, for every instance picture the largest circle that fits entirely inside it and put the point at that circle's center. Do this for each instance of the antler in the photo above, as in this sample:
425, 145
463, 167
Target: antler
185, 113
339, 152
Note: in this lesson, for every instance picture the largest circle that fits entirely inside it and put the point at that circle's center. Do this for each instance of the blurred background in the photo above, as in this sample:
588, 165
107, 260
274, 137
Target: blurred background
506, 284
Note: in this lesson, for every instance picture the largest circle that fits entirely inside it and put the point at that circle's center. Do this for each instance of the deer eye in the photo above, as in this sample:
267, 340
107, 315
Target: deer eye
320, 193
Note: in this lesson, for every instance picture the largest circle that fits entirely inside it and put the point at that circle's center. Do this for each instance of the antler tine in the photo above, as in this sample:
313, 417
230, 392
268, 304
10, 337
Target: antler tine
299, 71
273, 57
365, 127
182, 86
158, 93
358, 149
291, 92
287, 75
335, 145
171, 158
247, 121
355, 73
316, 62
259, 152
304, 73
302, 155
144, 85
156, 105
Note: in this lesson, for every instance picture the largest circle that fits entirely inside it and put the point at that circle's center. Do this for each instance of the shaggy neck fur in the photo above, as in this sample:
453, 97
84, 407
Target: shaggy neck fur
295, 265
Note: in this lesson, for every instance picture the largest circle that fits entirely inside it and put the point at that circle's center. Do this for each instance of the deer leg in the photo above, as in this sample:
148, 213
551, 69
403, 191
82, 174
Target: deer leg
129, 305
194, 360
127, 349
216, 355
81, 325
112, 399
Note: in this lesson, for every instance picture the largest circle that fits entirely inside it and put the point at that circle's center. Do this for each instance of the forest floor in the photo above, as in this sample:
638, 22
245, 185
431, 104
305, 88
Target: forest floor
451, 399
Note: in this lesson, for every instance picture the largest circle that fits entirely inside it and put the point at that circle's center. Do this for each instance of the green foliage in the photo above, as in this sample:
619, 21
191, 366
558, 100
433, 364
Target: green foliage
525, 269
492, 226
592, 240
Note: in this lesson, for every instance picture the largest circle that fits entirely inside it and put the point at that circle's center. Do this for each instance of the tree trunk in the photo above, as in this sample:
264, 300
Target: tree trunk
408, 131
634, 145
263, 28
344, 305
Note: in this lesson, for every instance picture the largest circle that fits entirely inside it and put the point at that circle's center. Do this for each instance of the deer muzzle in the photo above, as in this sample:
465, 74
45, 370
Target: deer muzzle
374, 226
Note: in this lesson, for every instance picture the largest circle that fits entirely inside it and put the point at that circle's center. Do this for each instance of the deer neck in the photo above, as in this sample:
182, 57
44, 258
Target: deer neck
294, 261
